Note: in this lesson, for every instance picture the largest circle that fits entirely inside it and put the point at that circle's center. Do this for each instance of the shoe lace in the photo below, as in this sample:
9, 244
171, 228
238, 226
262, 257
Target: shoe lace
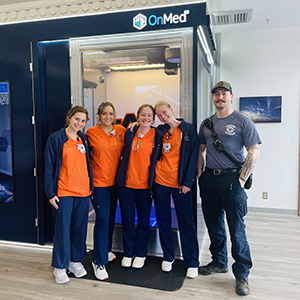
77, 265
60, 271
211, 265
100, 267
243, 280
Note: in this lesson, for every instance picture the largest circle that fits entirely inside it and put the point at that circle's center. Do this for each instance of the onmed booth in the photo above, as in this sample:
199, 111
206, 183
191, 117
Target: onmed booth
128, 58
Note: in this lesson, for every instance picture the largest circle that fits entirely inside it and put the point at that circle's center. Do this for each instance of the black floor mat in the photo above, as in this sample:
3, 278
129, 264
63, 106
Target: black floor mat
150, 276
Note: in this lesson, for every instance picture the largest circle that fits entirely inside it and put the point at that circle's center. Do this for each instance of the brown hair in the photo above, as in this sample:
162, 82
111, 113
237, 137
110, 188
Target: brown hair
73, 111
101, 108
142, 107
161, 103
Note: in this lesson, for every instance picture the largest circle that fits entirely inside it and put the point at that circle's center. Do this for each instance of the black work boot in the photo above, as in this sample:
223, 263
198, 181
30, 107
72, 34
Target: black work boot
242, 287
211, 269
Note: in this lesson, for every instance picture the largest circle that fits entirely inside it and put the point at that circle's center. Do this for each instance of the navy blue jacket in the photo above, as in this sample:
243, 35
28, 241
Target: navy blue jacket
122, 171
53, 160
189, 151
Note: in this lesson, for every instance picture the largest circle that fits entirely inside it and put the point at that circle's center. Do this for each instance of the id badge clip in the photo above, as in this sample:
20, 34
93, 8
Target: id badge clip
81, 148
167, 147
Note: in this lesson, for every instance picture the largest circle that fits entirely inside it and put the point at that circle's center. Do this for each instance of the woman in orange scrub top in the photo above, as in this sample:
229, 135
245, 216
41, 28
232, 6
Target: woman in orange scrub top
106, 142
68, 185
135, 178
174, 175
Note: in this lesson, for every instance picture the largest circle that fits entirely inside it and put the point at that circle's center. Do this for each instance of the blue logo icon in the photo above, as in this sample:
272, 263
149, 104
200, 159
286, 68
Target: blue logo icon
139, 21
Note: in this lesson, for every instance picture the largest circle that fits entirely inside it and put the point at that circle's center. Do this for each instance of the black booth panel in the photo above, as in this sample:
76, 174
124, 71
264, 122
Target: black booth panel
17, 220
52, 100
53, 104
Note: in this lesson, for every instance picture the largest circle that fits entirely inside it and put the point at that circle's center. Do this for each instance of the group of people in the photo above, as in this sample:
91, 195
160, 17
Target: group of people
110, 163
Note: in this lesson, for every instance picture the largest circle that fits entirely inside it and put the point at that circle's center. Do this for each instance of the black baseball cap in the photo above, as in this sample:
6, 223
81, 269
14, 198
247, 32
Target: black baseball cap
222, 84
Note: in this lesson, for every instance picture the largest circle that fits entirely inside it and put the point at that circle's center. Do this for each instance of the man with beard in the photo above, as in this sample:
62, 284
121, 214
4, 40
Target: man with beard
222, 184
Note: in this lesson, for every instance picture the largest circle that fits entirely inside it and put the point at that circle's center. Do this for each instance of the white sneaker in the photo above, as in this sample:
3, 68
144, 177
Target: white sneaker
126, 262
111, 256
77, 269
166, 266
100, 271
192, 272
61, 276
138, 262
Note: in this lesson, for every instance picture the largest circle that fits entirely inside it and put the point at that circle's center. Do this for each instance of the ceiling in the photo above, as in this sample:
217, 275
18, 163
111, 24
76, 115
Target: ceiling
266, 13
105, 59
8, 2
280, 13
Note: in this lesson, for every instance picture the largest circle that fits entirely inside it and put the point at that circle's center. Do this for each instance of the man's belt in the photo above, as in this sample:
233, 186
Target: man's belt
222, 171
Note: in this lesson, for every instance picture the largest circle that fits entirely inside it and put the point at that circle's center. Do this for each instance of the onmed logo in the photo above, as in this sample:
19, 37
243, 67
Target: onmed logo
139, 21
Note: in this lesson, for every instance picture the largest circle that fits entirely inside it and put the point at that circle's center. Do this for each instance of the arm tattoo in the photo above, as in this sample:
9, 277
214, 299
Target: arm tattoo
250, 162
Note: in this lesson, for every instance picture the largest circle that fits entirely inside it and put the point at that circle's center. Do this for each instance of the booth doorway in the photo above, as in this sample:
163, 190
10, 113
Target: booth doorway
130, 70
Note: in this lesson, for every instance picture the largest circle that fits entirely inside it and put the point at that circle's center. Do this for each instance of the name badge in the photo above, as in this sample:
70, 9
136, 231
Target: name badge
167, 147
81, 148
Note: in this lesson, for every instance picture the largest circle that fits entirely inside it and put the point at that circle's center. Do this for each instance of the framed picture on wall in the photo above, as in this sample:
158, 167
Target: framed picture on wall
262, 109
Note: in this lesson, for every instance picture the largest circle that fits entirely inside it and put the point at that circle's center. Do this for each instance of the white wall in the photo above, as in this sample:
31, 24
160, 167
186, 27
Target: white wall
267, 63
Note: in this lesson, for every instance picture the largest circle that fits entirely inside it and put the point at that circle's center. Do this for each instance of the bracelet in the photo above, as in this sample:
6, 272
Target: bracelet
242, 179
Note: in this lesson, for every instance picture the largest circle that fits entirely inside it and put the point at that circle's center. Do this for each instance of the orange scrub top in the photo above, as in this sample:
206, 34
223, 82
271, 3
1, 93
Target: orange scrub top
140, 160
74, 177
106, 153
166, 171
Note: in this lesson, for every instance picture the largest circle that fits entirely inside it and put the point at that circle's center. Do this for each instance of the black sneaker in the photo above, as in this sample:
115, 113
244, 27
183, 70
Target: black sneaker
242, 287
211, 269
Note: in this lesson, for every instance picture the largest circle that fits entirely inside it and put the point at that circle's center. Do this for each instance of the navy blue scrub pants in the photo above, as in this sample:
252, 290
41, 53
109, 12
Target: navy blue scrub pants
186, 224
104, 202
131, 199
223, 194
69, 242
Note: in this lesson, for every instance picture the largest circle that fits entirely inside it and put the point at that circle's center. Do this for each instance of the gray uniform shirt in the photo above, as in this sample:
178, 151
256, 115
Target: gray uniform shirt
235, 132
